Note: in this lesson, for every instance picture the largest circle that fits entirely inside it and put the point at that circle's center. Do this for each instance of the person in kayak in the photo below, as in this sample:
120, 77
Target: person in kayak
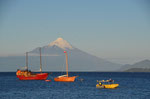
100, 83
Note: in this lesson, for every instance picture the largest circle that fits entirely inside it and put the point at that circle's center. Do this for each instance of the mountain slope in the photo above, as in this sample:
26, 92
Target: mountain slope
138, 70
142, 64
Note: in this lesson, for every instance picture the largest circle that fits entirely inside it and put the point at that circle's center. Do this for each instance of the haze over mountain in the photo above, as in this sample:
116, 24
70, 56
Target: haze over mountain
78, 60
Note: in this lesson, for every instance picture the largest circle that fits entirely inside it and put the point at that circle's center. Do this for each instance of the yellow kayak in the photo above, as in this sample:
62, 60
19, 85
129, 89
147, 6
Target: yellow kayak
107, 86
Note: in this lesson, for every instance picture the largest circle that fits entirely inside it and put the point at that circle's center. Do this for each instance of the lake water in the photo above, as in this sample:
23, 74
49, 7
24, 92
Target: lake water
132, 86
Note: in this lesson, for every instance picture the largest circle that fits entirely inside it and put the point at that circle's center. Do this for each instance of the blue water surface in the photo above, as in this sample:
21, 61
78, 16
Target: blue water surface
132, 86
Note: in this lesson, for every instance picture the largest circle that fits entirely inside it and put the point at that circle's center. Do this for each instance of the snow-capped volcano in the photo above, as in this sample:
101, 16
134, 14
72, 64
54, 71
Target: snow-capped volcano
61, 43
79, 60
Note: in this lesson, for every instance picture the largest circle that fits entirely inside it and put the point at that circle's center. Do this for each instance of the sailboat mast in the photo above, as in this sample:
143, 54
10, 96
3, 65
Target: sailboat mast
66, 62
27, 60
40, 61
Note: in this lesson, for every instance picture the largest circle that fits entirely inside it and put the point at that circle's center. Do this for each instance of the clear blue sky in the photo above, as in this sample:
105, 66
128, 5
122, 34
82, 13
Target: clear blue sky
117, 30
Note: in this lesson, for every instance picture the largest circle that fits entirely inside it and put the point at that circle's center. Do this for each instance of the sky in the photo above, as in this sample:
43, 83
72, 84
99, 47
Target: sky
116, 30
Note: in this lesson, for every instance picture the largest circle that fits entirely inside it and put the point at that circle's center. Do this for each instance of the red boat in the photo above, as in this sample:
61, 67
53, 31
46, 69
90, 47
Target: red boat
38, 76
28, 75
65, 78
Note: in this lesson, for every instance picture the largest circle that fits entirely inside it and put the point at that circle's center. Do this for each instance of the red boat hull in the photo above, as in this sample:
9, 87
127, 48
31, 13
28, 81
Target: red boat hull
38, 76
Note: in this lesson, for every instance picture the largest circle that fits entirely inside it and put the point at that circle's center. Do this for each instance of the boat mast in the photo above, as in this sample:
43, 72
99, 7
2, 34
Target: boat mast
66, 62
40, 61
27, 60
